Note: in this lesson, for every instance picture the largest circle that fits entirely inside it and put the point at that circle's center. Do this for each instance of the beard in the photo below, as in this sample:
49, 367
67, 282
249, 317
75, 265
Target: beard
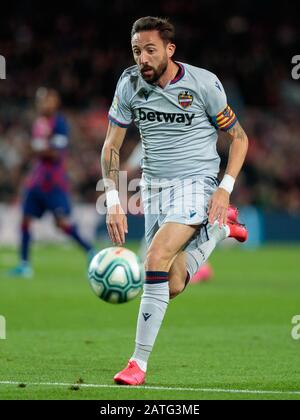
155, 73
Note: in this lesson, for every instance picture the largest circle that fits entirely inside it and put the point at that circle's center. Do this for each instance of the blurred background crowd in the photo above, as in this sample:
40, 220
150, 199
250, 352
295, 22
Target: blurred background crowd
82, 50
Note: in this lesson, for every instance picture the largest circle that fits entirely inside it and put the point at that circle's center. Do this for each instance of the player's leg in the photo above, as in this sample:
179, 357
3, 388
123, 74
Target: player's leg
166, 244
71, 230
198, 250
178, 271
142, 252
25, 238
32, 207
23, 269
188, 262
178, 275
206, 272
59, 203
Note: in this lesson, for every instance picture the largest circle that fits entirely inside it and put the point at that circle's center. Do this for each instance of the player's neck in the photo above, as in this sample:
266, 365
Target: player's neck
168, 75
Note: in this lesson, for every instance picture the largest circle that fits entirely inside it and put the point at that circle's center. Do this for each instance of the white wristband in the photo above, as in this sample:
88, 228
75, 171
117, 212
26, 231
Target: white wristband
112, 198
227, 183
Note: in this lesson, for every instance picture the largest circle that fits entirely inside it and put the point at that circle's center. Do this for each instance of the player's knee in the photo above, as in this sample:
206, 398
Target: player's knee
158, 259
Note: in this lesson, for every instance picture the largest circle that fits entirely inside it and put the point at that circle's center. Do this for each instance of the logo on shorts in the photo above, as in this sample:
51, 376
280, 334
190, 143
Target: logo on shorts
192, 213
185, 99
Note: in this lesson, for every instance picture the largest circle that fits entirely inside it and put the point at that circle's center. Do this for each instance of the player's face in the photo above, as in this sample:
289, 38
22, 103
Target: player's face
151, 54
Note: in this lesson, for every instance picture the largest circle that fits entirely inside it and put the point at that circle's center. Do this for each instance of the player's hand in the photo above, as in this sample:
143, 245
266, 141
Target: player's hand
116, 222
218, 206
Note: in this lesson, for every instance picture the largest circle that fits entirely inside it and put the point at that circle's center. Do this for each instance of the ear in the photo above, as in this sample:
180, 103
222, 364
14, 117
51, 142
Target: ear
171, 50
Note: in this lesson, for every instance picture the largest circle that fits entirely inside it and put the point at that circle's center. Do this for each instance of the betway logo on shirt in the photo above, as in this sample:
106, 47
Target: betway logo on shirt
183, 118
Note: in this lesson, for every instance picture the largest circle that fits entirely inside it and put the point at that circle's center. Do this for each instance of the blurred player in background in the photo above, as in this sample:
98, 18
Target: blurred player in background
132, 167
47, 186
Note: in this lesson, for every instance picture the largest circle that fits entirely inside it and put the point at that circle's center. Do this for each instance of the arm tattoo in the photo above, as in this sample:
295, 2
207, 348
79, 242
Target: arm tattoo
114, 167
111, 165
236, 132
110, 156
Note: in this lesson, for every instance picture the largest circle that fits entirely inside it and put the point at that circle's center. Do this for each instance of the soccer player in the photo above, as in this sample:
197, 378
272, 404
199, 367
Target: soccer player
179, 109
47, 187
132, 167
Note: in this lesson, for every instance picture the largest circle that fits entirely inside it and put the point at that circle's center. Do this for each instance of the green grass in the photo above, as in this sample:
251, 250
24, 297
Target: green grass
233, 332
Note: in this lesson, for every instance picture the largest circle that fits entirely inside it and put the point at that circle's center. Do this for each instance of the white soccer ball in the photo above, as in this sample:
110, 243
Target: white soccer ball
116, 275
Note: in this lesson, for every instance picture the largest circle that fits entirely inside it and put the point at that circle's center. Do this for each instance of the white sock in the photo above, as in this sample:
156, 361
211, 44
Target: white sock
197, 257
153, 307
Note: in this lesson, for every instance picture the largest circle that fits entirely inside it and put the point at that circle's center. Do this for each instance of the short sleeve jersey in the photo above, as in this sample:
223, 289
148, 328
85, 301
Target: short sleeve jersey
178, 123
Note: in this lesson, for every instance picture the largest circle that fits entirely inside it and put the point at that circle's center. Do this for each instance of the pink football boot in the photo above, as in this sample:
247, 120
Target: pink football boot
232, 214
131, 375
204, 273
237, 230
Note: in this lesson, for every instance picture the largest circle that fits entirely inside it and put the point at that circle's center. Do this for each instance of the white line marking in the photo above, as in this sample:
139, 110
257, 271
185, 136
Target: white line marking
155, 388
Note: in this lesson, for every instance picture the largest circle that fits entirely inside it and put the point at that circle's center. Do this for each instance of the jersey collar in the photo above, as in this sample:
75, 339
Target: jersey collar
179, 75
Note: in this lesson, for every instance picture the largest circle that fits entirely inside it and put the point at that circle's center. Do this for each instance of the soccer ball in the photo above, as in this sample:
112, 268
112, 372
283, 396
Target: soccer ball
116, 275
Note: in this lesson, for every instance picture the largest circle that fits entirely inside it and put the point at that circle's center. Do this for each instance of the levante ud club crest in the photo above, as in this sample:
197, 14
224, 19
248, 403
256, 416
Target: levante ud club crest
185, 99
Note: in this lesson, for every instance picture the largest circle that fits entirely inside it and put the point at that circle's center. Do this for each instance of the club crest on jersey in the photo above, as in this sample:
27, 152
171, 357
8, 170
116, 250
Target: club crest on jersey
185, 99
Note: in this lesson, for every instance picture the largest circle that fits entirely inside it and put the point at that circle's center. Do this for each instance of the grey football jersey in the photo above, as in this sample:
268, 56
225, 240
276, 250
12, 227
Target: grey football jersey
178, 124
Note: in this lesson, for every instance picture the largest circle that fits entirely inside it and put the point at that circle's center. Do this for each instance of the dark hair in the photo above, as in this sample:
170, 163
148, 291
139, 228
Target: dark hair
149, 23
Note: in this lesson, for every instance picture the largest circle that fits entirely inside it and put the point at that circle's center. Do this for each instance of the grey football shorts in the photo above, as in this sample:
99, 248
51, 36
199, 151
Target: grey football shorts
185, 201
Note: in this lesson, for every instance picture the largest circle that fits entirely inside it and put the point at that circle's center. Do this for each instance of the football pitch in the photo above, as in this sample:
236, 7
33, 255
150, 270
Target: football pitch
229, 338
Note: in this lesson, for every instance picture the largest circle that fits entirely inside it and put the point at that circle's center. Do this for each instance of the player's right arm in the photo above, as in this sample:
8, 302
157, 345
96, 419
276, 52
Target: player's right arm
110, 161
120, 117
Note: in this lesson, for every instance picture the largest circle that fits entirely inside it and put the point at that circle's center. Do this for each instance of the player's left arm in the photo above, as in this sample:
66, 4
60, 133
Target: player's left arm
237, 153
238, 150
223, 118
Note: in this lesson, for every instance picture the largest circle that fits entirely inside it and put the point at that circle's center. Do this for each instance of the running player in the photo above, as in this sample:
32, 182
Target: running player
47, 186
179, 109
